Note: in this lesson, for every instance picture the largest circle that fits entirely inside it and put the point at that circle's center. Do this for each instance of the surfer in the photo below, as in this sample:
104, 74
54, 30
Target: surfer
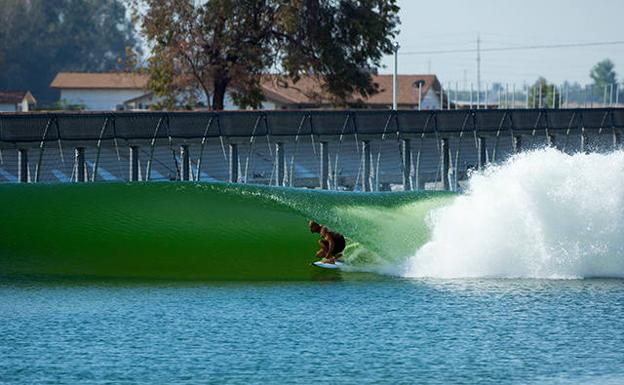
332, 243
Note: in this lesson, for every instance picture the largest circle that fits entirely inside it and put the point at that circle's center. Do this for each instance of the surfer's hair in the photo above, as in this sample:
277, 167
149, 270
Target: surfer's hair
314, 227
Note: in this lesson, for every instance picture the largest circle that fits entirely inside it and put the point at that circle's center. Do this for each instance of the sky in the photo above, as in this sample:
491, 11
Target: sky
455, 24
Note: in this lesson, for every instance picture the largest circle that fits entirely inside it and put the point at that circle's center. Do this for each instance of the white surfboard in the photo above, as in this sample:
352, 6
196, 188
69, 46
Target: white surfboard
324, 265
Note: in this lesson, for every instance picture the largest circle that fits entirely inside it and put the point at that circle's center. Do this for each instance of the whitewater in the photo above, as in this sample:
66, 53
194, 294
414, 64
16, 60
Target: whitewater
540, 214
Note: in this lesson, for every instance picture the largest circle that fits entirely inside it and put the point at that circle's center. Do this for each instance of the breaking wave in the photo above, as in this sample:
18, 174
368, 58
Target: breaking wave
541, 214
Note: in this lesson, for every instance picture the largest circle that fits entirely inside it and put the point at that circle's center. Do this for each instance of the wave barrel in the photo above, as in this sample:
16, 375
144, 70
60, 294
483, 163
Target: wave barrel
196, 231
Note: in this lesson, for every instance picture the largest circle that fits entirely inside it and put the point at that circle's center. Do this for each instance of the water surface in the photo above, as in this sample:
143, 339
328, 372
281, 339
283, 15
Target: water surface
364, 329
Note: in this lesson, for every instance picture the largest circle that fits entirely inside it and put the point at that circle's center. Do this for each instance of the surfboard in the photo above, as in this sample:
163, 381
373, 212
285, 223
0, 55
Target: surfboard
323, 265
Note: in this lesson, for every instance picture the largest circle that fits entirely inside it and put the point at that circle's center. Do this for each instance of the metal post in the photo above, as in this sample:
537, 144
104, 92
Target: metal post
395, 76
482, 153
478, 71
79, 153
617, 140
506, 95
134, 164
279, 153
419, 97
407, 164
554, 96
366, 164
517, 144
22, 165
324, 172
186, 162
441, 97
445, 162
591, 96
550, 140
584, 141
233, 163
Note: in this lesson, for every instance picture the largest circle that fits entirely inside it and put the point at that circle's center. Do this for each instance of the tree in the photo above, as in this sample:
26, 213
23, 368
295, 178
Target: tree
543, 95
38, 40
219, 45
603, 76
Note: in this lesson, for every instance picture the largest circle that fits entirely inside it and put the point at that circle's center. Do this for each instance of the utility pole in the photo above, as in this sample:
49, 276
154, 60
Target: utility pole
478, 71
395, 75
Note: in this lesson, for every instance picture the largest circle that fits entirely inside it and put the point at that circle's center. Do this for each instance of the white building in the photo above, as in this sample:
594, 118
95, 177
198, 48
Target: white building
110, 91
16, 101
99, 91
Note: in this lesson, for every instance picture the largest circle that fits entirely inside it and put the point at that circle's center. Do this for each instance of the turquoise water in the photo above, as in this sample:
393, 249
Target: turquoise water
360, 329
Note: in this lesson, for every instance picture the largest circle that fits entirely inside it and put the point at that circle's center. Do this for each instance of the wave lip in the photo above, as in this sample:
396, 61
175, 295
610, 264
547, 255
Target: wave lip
541, 214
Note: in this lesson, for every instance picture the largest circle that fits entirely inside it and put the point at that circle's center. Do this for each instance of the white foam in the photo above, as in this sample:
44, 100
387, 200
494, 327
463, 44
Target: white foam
541, 214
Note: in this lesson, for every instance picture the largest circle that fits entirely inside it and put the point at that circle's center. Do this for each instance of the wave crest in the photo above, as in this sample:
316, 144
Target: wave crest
541, 214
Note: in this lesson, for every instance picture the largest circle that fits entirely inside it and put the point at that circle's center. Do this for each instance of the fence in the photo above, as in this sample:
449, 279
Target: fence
343, 150
538, 96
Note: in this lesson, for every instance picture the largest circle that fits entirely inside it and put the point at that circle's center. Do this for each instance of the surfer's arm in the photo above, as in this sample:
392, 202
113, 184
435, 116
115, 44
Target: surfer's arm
323, 252
330, 245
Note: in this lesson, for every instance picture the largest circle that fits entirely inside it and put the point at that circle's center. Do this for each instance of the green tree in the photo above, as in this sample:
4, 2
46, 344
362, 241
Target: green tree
38, 39
543, 95
604, 76
216, 46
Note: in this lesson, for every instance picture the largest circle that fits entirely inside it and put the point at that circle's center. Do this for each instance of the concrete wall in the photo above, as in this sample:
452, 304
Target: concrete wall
7, 108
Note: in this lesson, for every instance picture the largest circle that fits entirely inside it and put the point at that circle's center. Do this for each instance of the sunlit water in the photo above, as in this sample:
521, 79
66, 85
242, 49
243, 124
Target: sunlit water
369, 331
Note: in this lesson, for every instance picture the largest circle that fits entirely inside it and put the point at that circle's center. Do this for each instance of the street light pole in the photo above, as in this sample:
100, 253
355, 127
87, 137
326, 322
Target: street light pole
394, 76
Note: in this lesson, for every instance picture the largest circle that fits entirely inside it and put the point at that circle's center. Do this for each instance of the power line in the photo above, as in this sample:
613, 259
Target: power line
517, 48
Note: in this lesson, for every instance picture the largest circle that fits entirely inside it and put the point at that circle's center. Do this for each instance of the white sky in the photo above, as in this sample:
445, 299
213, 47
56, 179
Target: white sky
454, 24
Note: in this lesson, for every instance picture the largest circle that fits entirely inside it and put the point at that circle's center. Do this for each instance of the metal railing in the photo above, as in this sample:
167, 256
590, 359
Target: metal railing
366, 150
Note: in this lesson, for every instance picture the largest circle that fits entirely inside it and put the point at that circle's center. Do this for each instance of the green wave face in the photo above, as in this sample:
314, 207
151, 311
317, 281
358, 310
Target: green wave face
199, 231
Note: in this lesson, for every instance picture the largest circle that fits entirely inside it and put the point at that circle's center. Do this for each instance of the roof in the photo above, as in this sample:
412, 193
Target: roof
106, 80
280, 89
307, 91
15, 97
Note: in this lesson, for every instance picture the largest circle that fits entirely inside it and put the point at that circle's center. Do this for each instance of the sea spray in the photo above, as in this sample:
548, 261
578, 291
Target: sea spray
541, 214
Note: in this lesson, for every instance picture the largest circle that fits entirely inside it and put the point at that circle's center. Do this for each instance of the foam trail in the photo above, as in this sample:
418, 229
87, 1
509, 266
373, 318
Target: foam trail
541, 214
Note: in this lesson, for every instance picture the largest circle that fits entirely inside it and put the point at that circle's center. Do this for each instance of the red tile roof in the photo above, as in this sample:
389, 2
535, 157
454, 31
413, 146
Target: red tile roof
307, 91
15, 97
110, 80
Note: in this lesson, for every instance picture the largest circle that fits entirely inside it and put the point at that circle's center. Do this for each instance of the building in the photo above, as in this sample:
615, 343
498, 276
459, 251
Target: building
412, 91
16, 101
99, 91
116, 91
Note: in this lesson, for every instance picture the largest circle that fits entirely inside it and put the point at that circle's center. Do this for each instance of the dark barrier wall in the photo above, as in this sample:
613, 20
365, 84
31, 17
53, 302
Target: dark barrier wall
88, 126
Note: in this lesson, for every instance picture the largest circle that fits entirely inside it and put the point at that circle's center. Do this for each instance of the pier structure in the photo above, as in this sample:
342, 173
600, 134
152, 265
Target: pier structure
362, 150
